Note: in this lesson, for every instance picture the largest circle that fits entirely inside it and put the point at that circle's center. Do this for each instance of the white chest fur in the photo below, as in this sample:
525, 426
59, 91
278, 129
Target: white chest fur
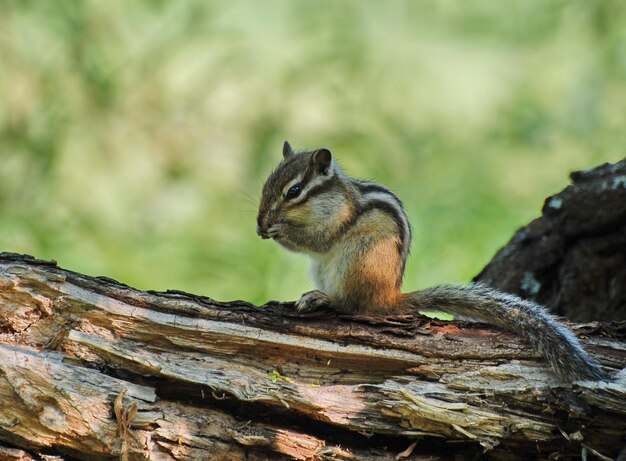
328, 272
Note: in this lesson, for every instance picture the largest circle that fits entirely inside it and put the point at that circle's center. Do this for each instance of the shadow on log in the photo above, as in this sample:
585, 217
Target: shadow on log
573, 258
232, 381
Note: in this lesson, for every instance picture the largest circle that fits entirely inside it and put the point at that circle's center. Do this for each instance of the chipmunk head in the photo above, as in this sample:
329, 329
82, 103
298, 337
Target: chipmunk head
289, 194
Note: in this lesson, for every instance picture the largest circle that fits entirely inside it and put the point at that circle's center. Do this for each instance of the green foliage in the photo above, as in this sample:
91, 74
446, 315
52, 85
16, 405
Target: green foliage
135, 136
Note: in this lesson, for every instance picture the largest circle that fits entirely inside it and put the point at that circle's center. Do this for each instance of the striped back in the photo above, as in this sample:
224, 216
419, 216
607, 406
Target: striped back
376, 197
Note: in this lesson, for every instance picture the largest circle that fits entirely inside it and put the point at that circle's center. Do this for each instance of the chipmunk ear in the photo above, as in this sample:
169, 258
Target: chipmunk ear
287, 150
322, 160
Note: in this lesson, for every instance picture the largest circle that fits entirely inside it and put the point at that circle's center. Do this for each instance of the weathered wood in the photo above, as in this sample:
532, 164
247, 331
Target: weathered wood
14, 454
231, 380
49, 403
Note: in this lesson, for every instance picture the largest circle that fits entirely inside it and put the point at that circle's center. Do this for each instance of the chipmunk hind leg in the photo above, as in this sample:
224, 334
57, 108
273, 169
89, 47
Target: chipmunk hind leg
372, 283
369, 284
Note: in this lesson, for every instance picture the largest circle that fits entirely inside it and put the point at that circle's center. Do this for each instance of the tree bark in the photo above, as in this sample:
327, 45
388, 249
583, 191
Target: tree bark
573, 258
93, 369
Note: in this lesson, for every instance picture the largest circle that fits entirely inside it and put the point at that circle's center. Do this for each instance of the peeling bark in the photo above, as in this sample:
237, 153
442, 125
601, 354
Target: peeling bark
232, 381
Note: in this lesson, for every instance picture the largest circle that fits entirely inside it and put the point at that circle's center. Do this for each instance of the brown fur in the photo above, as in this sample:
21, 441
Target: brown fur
371, 283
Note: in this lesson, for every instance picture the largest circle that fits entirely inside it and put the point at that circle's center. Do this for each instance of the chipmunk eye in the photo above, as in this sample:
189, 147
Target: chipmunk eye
293, 192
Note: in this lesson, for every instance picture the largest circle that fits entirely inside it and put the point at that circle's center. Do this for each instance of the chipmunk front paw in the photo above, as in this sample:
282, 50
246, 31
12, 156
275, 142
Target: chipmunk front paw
277, 231
312, 300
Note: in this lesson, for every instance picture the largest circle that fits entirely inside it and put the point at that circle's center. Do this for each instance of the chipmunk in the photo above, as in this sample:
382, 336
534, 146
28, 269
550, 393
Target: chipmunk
358, 237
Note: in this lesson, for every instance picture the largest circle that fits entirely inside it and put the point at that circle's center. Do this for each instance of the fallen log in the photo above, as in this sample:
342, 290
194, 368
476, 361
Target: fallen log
93, 369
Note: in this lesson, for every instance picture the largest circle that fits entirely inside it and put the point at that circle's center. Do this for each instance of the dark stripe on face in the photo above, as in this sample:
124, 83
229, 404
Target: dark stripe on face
319, 189
308, 176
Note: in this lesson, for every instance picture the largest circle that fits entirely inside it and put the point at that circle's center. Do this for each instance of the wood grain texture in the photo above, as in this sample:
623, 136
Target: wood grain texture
215, 380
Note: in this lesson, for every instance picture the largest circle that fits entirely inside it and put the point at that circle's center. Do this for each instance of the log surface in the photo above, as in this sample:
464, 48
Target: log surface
214, 380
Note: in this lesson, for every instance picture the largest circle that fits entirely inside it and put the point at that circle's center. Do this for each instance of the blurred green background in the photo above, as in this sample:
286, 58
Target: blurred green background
135, 136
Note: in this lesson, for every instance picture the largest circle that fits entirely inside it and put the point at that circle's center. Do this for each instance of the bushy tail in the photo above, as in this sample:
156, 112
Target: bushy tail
527, 319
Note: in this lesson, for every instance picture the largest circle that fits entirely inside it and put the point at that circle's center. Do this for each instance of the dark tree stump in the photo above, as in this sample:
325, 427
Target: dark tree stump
573, 258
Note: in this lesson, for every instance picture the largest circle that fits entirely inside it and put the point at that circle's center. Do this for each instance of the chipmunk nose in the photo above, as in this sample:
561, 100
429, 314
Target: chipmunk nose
261, 229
